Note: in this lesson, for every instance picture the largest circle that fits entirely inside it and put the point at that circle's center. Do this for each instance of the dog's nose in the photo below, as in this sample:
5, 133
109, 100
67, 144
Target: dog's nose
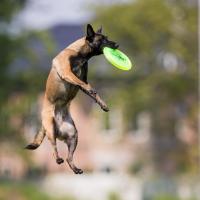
116, 46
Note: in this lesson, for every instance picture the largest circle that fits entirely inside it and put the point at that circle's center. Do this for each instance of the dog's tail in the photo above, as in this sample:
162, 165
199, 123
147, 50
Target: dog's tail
37, 140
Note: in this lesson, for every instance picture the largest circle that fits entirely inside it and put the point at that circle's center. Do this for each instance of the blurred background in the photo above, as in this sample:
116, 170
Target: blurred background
147, 147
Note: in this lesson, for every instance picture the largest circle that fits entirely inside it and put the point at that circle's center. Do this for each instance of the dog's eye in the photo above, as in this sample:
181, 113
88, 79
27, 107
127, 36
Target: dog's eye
105, 39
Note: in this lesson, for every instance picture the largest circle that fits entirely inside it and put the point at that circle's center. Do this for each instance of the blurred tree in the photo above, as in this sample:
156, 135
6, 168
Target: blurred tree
161, 38
10, 48
9, 45
18, 88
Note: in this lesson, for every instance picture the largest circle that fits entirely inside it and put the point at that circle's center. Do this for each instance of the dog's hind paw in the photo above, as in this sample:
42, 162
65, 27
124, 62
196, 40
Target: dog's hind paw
32, 146
59, 161
77, 171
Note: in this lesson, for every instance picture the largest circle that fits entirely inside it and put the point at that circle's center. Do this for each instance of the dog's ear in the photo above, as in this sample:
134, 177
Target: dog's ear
99, 30
90, 32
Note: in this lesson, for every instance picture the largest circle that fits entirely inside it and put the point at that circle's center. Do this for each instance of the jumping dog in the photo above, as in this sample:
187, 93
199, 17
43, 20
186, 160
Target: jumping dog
67, 75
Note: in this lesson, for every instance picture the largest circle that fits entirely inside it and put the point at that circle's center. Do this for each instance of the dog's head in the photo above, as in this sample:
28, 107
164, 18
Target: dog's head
97, 41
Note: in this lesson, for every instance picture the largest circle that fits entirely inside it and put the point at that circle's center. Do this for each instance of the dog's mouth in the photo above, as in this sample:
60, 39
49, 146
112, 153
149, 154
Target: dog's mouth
112, 45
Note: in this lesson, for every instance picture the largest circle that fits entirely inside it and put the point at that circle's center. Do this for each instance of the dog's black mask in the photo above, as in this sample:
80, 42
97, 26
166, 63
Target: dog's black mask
97, 41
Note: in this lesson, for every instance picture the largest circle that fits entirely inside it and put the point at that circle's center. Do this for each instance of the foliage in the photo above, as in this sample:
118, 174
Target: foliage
19, 88
8, 8
113, 196
161, 39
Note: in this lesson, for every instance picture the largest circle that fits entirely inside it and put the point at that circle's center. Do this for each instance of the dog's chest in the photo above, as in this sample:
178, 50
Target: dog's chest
78, 66
68, 91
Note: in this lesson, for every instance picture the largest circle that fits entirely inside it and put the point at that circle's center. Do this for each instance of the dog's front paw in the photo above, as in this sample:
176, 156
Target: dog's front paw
89, 89
104, 108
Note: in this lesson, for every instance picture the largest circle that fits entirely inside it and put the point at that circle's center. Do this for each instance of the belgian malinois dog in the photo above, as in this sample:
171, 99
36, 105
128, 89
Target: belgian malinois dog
69, 74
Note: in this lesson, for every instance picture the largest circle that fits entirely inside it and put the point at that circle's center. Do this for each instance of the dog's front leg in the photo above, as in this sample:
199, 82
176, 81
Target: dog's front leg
65, 73
93, 94
101, 103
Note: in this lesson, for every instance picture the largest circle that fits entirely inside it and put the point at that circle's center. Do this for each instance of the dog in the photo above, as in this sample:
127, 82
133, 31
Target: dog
67, 75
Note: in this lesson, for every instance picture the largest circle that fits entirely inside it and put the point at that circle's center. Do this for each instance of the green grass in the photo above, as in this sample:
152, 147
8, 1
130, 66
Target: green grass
23, 191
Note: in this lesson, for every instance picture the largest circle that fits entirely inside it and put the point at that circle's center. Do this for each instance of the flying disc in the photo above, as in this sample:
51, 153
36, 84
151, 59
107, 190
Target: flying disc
117, 58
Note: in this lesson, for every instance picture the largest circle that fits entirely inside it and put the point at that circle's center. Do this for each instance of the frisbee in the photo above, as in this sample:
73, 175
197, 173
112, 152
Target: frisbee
117, 58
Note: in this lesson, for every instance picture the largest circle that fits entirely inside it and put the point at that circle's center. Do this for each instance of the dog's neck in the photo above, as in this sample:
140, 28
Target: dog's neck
82, 47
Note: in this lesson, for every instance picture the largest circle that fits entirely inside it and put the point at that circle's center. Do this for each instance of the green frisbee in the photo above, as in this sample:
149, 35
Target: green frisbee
117, 58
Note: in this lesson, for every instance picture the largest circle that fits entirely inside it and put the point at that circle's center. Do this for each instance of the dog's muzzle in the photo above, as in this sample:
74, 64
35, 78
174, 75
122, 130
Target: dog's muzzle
113, 45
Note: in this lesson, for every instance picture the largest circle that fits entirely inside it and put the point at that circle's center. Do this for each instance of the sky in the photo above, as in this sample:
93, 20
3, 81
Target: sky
42, 14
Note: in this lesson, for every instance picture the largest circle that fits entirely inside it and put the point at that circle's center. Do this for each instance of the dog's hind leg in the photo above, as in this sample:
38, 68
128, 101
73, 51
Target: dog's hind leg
49, 125
72, 143
71, 140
